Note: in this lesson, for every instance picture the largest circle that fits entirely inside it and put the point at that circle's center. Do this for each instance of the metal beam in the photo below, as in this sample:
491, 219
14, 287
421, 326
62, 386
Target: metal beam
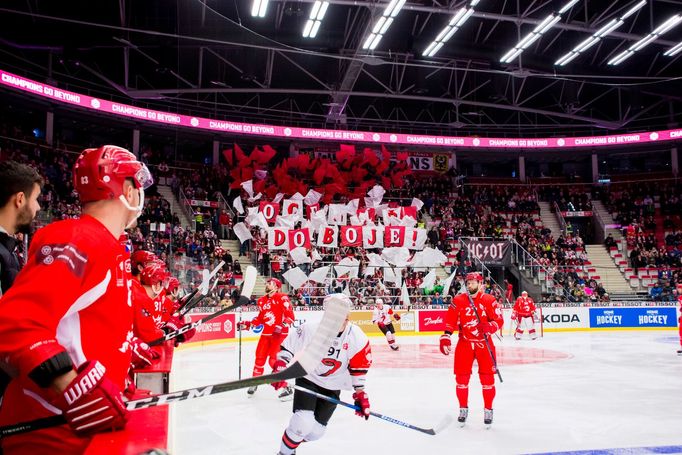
142, 94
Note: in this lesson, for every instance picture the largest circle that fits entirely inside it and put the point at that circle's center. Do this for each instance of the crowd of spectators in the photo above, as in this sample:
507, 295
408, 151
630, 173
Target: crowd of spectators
452, 209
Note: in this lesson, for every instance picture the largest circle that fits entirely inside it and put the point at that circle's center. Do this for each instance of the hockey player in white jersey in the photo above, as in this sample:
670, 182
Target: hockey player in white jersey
382, 318
344, 367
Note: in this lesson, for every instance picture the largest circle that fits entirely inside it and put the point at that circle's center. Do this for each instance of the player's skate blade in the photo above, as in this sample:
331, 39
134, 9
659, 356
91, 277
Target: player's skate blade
251, 390
487, 418
463, 414
287, 394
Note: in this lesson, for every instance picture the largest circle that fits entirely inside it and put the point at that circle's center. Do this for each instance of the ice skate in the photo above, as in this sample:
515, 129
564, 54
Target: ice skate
287, 394
395, 347
463, 414
251, 390
679, 351
488, 418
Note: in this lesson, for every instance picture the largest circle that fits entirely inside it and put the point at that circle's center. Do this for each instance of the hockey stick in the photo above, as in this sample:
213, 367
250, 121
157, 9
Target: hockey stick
334, 316
202, 289
431, 431
485, 338
244, 299
240, 345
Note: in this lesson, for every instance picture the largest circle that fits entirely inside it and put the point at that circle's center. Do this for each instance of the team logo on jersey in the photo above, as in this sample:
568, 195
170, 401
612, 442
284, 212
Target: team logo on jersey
74, 259
345, 346
257, 328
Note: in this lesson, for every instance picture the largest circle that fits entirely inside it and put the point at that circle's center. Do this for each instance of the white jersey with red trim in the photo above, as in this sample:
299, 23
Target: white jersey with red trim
382, 315
346, 363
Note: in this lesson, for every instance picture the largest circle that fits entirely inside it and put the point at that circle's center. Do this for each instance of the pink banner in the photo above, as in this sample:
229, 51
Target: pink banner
291, 132
432, 320
220, 328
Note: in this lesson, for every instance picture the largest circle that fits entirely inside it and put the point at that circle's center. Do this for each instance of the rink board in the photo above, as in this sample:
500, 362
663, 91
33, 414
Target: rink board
429, 321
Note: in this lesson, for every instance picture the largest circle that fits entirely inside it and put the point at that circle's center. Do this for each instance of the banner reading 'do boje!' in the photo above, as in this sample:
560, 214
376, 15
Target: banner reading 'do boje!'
364, 320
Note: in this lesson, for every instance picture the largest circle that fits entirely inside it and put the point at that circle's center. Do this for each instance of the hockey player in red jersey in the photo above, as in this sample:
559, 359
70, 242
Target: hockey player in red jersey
381, 316
66, 323
344, 367
524, 315
463, 315
276, 314
150, 283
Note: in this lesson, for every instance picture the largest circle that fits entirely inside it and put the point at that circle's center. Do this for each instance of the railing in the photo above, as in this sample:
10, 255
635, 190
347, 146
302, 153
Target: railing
526, 261
187, 209
560, 217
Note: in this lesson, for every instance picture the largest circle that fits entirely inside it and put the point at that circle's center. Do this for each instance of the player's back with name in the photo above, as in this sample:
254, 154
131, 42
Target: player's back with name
349, 354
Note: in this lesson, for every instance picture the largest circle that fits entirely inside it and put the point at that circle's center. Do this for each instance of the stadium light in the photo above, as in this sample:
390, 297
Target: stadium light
382, 25
455, 23
644, 42
259, 8
673, 50
543, 27
606, 30
314, 21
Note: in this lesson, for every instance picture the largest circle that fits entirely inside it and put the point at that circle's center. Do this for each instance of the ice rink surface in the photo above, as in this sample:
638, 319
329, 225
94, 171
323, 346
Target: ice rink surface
598, 392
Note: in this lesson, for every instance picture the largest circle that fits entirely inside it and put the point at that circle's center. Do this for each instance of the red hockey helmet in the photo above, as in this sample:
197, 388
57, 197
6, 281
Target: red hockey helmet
153, 274
141, 257
173, 284
474, 276
277, 282
99, 173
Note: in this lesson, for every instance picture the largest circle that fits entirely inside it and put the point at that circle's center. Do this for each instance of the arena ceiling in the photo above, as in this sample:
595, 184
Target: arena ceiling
212, 58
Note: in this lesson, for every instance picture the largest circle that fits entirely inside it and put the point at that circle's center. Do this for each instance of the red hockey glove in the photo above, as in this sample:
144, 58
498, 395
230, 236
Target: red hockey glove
396, 316
142, 355
279, 366
362, 402
514, 316
487, 327
244, 325
445, 344
277, 330
381, 325
91, 403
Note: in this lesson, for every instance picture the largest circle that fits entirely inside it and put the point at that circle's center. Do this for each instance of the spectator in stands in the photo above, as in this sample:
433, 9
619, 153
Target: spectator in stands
19, 192
609, 242
225, 224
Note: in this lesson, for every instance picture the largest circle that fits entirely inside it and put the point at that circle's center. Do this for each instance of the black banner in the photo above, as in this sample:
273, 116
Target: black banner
490, 252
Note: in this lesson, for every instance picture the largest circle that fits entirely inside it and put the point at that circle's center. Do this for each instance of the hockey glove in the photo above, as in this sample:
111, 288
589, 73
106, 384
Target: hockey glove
91, 403
381, 325
142, 355
277, 330
244, 325
396, 316
487, 327
445, 344
279, 366
362, 402
514, 316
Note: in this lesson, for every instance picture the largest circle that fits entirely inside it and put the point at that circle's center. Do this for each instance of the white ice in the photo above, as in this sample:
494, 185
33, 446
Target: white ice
615, 390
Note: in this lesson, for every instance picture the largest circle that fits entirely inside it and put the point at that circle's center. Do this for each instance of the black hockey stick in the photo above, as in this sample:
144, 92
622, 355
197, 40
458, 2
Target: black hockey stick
244, 299
485, 338
202, 290
431, 431
334, 316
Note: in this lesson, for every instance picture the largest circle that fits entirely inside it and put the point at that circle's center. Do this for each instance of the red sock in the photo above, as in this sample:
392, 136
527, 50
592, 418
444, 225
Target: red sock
488, 384
463, 389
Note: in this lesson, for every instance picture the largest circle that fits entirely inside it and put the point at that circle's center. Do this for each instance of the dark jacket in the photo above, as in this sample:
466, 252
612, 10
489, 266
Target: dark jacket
9, 263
